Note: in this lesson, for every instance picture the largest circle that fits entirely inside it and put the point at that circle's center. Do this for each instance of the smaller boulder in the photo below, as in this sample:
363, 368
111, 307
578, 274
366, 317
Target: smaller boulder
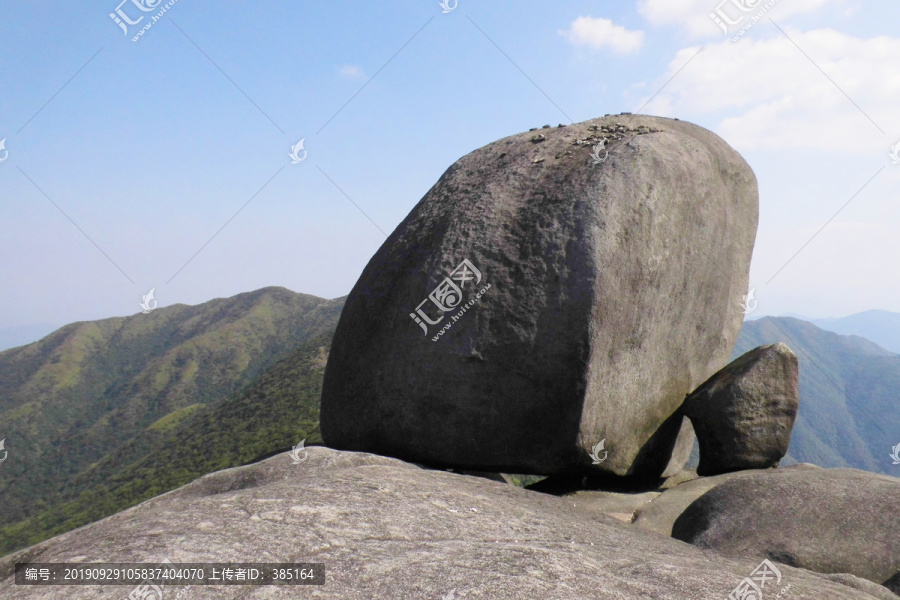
660, 514
824, 520
743, 415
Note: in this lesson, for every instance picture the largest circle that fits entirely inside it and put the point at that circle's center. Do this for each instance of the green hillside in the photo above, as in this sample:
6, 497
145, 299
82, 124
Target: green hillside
90, 398
272, 414
849, 413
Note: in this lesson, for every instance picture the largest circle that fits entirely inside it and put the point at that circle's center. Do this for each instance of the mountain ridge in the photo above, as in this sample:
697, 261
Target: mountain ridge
71, 398
879, 326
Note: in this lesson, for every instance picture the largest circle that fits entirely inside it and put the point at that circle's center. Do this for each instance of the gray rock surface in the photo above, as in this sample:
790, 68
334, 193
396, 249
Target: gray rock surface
682, 477
873, 589
825, 520
660, 514
387, 529
616, 505
610, 291
744, 414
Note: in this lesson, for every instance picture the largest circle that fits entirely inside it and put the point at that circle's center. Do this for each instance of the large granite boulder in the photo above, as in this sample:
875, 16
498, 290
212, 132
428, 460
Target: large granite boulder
744, 414
547, 294
387, 529
825, 520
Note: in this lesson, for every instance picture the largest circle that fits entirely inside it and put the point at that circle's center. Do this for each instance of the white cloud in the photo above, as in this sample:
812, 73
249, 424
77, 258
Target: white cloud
767, 94
813, 149
693, 16
599, 33
352, 72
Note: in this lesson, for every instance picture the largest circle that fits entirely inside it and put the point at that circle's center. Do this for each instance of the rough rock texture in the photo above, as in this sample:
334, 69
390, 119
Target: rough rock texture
387, 529
743, 415
660, 514
682, 477
825, 520
884, 592
619, 506
610, 291
572, 482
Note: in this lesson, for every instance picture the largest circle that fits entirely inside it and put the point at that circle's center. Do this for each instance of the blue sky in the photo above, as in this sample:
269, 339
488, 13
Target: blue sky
151, 147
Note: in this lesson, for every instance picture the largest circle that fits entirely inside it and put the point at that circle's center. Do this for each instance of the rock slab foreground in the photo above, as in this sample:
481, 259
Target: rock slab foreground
388, 529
